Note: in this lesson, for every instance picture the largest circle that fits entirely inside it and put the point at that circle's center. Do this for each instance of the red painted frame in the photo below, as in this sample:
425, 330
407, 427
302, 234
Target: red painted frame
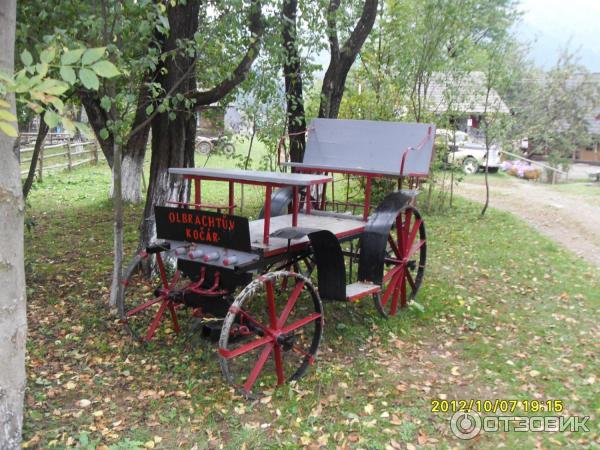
197, 180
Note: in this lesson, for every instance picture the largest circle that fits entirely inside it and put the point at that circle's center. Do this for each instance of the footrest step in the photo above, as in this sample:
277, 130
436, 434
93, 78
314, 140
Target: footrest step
358, 290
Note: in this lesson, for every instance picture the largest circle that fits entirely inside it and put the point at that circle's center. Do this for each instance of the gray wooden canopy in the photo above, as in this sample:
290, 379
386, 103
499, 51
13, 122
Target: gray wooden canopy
368, 147
253, 176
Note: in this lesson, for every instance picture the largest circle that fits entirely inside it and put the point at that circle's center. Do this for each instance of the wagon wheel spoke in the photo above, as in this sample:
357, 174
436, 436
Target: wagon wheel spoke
246, 347
413, 233
394, 247
155, 322
271, 304
396, 294
290, 316
415, 247
301, 323
290, 304
262, 359
391, 286
143, 306
278, 364
251, 319
393, 272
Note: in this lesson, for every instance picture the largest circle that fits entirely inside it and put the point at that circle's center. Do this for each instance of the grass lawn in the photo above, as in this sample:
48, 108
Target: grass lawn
508, 315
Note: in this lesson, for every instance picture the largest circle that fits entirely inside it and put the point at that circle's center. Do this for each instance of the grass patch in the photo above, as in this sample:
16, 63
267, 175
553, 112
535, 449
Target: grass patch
508, 315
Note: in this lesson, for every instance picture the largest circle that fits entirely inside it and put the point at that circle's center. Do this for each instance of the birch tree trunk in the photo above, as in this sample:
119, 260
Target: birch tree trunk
13, 321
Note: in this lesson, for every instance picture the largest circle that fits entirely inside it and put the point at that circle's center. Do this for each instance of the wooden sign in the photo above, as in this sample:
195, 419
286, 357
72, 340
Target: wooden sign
206, 227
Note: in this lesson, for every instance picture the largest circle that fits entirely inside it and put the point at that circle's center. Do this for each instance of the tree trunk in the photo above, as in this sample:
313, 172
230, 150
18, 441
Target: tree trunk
13, 319
39, 143
296, 121
134, 150
172, 140
98, 117
131, 177
341, 59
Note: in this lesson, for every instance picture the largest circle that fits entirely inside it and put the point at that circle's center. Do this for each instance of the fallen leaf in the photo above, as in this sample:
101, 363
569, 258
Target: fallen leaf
83, 403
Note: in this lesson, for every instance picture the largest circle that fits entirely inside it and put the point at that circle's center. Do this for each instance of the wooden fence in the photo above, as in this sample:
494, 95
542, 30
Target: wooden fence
64, 154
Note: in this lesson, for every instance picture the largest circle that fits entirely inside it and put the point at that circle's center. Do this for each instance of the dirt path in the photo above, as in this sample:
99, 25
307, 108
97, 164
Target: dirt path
569, 219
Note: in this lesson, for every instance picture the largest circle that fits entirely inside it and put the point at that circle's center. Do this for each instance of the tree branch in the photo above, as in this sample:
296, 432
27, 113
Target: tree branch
39, 142
332, 34
362, 29
256, 29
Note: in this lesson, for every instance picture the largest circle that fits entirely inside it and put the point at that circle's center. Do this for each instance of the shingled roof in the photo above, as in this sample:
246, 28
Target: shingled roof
464, 94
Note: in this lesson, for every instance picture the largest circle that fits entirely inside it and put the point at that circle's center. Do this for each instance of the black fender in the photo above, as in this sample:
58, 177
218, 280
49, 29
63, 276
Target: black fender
281, 198
330, 265
373, 241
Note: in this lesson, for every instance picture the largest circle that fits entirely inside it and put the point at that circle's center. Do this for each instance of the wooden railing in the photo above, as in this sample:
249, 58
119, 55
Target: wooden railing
66, 154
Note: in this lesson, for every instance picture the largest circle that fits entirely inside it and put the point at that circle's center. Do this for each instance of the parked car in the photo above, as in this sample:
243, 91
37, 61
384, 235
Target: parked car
467, 153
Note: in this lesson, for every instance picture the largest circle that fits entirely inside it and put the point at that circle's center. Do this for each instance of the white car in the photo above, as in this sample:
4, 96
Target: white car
470, 155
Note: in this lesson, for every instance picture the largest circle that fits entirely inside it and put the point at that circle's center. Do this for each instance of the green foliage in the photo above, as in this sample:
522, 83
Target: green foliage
37, 86
411, 42
552, 108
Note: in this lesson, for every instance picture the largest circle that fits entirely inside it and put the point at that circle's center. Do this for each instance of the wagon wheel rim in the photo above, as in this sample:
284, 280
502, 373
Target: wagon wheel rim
147, 303
282, 327
404, 263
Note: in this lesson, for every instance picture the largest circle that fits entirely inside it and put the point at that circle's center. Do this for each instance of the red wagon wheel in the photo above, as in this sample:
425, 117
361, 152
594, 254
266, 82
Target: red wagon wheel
404, 264
271, 333
147, 301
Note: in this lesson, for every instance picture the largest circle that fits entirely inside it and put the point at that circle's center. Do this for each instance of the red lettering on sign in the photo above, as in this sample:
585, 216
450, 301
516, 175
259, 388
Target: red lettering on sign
171, 217
188, 234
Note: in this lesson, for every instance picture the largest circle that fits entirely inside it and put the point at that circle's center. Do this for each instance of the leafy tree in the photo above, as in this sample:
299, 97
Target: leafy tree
414, 40
337, 21
552, 107
128, 29
495, 124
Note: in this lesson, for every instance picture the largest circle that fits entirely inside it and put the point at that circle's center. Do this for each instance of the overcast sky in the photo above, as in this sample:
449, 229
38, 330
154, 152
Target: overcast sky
551, 23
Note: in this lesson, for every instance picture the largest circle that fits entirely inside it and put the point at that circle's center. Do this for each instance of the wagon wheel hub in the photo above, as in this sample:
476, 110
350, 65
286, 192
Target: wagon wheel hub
286, 341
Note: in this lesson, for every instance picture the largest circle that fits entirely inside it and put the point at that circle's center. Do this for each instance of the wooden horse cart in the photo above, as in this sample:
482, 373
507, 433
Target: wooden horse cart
250, 283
